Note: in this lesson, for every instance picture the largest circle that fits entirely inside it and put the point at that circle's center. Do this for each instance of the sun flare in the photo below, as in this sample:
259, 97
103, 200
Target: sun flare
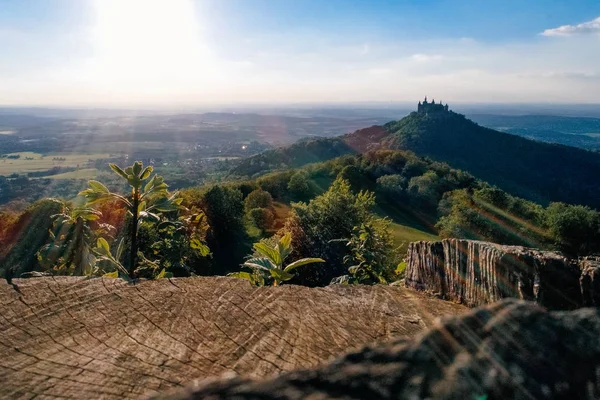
149, 42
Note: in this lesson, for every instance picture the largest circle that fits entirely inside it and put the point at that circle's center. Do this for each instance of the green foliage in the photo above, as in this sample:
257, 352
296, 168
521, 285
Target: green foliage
263, 218
70, 247
28, 234
269, 264
276, 183
299, 185
574, 229
426, 190
331, 216
303, 152
392, 186
258, 199
224, 209
176, 243
486, 214
536, 171
151, 204
371, 259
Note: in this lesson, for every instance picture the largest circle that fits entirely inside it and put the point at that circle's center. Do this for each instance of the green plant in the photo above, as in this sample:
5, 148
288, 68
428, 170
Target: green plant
69, 250
146, 201
258, 199
371, 257
271, 262
263, 218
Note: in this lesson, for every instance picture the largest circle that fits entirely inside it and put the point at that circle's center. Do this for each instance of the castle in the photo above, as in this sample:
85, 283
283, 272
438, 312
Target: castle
432, 107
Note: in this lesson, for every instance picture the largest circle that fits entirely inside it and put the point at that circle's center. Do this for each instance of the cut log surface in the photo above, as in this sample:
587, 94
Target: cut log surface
103, 338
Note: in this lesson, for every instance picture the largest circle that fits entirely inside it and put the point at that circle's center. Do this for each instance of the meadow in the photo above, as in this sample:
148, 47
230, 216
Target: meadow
35, 162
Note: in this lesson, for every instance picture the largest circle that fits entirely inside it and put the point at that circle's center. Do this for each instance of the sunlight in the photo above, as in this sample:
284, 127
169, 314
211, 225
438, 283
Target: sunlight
149, 42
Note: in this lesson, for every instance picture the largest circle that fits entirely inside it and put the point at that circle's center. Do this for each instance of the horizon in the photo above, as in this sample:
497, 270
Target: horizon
153, 54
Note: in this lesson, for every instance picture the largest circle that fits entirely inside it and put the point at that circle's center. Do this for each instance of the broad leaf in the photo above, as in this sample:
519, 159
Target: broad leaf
146, 173
201, 247
118, 170
242, 275
137, 168
164, 274
269, 252
114, 274
302, 262
103, 244
98, 187
286, 240
260, 263
280, 275
150, 184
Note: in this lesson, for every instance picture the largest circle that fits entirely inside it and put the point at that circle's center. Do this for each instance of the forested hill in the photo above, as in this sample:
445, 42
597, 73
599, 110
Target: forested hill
311, 150
538, 171
535, 170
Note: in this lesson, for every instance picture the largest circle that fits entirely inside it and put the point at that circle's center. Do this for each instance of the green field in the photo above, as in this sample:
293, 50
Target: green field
402, 235
86, 173
33, 162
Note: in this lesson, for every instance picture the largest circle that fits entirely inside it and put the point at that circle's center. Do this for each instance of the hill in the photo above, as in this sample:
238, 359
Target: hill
103, 338
538, 171
307, 151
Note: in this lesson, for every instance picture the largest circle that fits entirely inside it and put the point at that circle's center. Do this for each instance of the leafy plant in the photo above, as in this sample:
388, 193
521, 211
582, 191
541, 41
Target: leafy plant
371, 257
146, 201
70, 247
178, 240
270, 263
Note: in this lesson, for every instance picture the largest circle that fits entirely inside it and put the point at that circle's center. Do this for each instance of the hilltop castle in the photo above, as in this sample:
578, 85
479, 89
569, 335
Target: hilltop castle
432, 107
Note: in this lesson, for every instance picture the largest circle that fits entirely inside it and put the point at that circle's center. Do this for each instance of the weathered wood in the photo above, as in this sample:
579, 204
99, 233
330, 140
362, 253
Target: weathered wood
477, 273
103, 338
508, 350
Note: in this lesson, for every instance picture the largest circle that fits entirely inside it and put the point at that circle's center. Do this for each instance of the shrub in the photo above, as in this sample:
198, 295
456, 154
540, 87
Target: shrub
263, 218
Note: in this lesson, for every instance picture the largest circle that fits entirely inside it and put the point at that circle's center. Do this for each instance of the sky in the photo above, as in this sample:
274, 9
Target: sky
202, 52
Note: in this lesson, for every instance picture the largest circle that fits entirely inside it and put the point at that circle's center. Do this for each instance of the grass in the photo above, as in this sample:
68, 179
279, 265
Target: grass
402, 235
281, 211
39, 162
86, 173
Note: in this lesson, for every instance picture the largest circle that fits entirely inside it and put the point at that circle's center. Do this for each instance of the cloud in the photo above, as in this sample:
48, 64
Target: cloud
589, 27
419, 57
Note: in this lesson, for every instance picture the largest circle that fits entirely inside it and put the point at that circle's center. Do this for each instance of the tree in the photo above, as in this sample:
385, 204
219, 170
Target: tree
270, 262
298, 184
224, 209
392, 186
144, 202
328, 217
263, 218
258, 199
574, 229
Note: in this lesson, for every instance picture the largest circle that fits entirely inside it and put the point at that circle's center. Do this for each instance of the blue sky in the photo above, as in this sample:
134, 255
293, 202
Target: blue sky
194, 52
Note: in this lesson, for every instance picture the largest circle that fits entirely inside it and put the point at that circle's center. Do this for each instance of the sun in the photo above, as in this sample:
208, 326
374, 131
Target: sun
147, 41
